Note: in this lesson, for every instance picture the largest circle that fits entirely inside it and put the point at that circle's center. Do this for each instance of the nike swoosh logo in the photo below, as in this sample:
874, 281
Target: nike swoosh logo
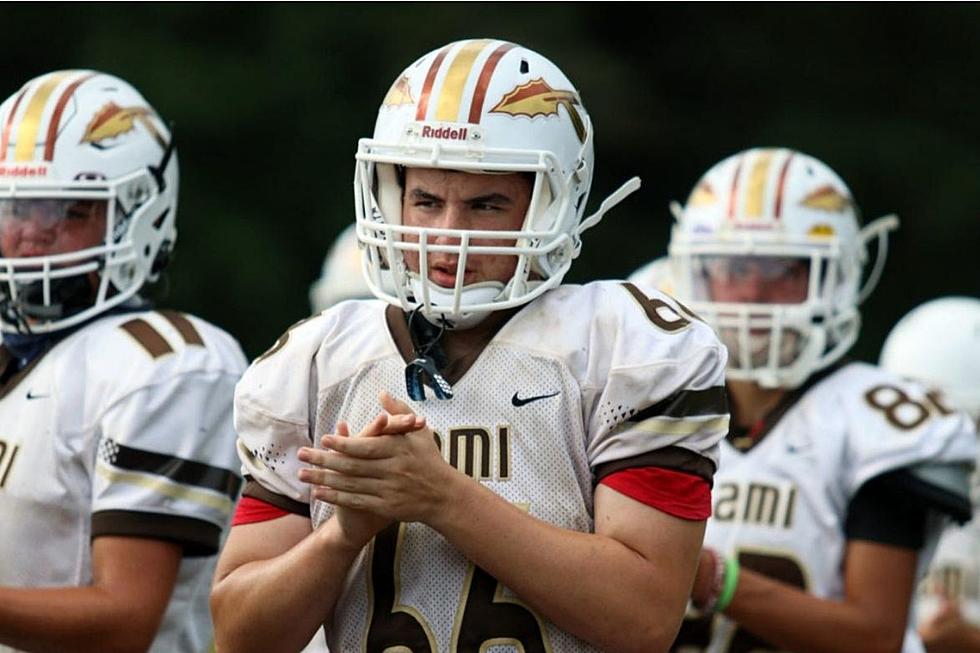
518, 402
31, 395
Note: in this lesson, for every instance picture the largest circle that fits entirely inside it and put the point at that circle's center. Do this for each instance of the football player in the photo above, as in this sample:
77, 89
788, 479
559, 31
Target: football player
938, 343
836, 474
118, 471
525, 429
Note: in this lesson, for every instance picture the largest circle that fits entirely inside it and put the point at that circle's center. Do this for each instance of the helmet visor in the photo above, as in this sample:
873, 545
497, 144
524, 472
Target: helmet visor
751, 279
35, 227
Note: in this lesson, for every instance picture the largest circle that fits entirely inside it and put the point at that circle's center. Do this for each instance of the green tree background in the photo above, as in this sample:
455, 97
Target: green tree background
269, 101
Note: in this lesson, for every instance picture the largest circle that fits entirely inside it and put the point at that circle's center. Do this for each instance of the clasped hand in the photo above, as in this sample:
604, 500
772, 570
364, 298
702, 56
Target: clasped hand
391, 470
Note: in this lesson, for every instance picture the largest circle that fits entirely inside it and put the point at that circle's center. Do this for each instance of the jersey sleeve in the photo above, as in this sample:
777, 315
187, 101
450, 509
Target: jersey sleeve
166, 466
897, 424
656, 394
272, 417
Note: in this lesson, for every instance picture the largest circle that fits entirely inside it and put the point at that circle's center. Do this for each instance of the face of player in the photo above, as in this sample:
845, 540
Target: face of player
457, 200
43, 227
756, 279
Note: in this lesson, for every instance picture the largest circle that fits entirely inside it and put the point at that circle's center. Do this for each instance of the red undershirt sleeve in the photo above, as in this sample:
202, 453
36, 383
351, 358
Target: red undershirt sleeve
251, 510
683, 495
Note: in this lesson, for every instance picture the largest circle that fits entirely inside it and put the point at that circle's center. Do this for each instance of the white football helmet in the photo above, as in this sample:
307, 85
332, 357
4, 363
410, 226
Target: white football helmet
81, 135
341, 277
938, 344
480, 106
769, 210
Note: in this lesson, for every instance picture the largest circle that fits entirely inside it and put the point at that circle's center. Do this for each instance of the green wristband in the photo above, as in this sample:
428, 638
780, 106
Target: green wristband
731, 582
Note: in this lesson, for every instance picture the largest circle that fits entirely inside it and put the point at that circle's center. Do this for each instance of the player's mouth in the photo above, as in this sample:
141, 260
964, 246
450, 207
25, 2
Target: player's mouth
444, 274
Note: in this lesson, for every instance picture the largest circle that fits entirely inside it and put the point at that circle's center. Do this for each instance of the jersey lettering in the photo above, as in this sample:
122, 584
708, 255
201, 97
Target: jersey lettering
901, 411
8, 453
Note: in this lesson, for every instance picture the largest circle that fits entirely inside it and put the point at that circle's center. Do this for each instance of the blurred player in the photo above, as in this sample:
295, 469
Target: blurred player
118, 472
341, 277
834, 473
938, 343
533, 425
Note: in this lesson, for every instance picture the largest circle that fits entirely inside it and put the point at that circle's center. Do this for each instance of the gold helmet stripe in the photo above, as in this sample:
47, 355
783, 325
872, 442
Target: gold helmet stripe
30, 123
430, 80
451, 96
59, 109
757, 183
10, 121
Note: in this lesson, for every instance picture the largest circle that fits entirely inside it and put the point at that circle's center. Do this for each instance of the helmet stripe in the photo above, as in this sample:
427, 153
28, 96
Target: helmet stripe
734, 191
30, 123
480, 92
756, 189
451, 96
430, 79
59, 109
10, 121
782, 185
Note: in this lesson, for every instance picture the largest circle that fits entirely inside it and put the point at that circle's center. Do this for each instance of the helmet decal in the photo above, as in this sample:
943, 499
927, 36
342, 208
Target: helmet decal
536, 98
399, 94
827, 198
113, 120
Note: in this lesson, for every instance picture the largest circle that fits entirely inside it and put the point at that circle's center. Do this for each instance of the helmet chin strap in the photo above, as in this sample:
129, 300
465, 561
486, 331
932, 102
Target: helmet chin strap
607, 204
878, 229
442, 300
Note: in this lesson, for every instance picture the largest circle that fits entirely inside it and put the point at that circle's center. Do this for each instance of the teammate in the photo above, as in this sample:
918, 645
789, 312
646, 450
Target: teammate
835, 473
525, 430
341, 276
118, 471
938, 343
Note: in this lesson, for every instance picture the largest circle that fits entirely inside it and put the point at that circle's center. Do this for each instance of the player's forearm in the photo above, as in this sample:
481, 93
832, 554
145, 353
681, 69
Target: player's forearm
279, 604
72, 620
586, 584
797, 621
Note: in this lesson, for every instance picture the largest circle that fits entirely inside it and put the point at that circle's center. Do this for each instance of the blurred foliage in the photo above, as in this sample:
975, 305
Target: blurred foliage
269, 101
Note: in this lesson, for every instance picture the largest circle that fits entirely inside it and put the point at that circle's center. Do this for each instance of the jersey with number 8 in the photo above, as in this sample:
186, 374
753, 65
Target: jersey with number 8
781, 505
567, 388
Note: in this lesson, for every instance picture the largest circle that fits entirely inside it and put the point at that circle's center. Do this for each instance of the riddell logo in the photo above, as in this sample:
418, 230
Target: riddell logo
23, 171
448, 133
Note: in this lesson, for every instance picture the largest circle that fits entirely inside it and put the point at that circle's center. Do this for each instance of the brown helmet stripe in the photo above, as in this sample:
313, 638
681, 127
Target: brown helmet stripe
184, 327
56, 116
480, 92
10, 121
430, 80
782, 184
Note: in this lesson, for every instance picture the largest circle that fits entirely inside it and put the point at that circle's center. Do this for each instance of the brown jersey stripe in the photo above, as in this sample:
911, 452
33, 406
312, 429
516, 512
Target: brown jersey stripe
688, 403
59, 109
148, 337
782, 185
6, 128
480, 92
430, 80
179, 470
675, 458
198, 537
184, 327
256, 491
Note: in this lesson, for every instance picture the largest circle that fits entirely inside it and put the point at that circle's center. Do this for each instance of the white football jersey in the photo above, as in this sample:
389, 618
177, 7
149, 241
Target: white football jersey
781, 505
122, 428
583, 381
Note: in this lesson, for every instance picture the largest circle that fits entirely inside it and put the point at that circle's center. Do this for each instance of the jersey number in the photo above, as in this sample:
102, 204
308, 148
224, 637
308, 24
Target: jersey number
696, 634
902, 411
488, 617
